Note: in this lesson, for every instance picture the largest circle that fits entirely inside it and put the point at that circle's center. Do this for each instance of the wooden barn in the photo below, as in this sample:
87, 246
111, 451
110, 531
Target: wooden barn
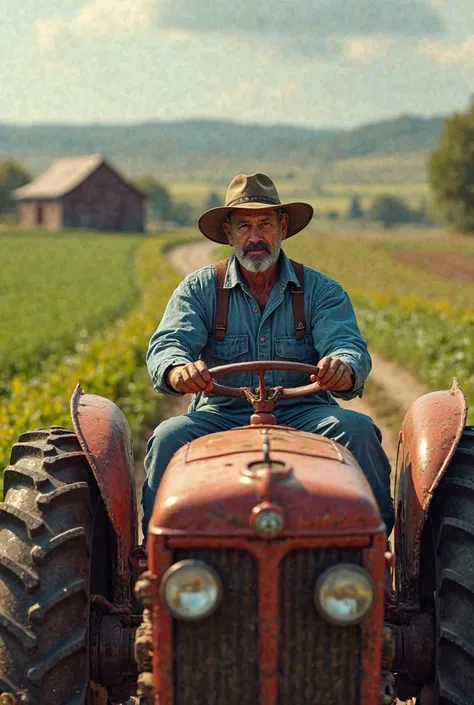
81, 192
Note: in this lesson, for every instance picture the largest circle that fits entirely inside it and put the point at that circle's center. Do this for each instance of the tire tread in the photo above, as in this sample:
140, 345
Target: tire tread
45, 524
452, 520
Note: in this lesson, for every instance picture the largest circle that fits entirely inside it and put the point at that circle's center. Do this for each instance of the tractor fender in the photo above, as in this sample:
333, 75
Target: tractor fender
429, 436
104, 435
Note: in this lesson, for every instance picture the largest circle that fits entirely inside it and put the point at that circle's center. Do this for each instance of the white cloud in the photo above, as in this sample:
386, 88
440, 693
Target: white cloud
49, 31
367, 49
452, 54
114, 16
96, 20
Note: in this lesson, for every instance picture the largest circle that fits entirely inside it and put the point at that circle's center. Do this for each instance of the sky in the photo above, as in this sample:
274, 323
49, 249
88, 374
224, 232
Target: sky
316, 63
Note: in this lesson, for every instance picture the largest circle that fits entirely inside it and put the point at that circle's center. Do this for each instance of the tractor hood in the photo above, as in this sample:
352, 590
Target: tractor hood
214, 485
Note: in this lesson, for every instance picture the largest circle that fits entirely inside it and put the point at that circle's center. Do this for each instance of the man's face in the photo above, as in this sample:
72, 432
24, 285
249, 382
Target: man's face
256, 236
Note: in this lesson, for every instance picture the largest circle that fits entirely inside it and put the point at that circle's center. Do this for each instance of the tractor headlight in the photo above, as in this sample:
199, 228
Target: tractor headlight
344, 594
191, 590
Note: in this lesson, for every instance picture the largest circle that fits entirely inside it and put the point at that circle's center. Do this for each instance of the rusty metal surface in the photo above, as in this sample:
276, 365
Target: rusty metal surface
318, 662
415, 648
203, 493
216, 659
116, 658
264, 398
104, 436
269, 557
429, 436
374, 562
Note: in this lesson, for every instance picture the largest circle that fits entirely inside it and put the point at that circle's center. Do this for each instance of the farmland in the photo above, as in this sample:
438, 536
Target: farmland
56, 290
324, 194
110, 362
407, 310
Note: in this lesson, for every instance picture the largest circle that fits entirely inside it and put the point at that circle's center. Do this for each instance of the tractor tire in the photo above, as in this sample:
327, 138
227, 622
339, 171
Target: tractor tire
451, 517
46, 530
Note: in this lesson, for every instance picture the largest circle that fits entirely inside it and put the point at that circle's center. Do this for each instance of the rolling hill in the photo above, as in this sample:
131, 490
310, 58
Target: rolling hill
216, 149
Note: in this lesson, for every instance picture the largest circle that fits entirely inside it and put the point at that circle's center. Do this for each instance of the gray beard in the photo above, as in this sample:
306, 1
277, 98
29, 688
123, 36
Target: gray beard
257, 263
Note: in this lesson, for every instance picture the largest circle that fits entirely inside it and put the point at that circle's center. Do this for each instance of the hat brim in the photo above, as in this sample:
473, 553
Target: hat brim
210, 223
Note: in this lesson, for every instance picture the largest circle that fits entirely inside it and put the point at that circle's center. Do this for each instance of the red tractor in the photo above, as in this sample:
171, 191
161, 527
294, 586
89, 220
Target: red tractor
268, 579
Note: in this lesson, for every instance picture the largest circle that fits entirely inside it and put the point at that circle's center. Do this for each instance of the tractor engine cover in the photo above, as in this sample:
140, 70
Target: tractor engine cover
214, 486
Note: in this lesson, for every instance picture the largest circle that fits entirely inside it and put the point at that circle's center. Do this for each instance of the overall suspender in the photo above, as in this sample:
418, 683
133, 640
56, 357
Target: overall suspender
222, 300
297, 294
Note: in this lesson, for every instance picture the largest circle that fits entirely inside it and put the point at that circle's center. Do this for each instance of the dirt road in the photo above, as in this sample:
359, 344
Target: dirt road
400, 386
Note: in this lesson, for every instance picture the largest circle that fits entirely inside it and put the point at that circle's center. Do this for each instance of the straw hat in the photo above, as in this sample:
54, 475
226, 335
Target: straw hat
258, 192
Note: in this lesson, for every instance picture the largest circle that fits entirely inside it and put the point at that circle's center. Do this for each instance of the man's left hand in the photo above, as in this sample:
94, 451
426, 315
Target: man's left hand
333, 375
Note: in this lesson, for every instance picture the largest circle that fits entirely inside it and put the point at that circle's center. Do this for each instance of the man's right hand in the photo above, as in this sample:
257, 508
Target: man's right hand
191, 378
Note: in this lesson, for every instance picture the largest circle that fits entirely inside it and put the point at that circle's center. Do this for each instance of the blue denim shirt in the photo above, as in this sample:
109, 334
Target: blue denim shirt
186, 332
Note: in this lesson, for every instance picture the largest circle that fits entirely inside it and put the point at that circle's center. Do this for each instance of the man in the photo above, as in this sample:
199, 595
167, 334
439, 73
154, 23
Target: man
261, 322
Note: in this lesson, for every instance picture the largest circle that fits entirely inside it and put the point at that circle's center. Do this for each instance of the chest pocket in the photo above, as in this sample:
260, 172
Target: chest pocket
234, 348
288, 349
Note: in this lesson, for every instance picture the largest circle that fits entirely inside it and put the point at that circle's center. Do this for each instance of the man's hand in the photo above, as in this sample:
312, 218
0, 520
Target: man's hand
333, 375
191, 378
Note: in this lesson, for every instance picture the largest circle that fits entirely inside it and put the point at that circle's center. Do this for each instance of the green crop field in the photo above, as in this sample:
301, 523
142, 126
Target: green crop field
110, 363
380, 170
57, 289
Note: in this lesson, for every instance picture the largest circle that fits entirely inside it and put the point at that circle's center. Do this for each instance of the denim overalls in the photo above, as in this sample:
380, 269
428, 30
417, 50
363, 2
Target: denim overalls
186, 333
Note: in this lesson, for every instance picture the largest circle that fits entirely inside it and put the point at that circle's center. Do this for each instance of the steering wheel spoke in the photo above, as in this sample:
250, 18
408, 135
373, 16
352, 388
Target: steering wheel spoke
263, 398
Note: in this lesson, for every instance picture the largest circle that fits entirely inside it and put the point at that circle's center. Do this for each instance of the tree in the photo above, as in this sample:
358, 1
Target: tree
451, 171
12, 176
391, 211
213, 201
160, 203
181, 213
355, 211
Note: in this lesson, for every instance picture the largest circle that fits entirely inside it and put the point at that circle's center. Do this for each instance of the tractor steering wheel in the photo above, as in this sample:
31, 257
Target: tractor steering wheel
264, 398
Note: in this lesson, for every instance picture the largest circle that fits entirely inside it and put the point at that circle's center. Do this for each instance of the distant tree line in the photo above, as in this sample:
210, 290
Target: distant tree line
451, 171
388, 210
450, 177
12, 176
162, 207
450, 174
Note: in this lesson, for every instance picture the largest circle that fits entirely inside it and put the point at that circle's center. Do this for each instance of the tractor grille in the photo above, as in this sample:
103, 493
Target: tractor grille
216, 660
318, 662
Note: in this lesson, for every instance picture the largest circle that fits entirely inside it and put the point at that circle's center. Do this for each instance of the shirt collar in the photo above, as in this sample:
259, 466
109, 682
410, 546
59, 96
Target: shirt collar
234, 275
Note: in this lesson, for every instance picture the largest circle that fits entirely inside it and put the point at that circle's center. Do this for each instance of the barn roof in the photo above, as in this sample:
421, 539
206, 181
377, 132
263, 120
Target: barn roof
63, 176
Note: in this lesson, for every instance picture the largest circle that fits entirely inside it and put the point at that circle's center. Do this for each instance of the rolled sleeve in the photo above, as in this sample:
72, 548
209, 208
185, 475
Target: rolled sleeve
180, 336
336, 333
